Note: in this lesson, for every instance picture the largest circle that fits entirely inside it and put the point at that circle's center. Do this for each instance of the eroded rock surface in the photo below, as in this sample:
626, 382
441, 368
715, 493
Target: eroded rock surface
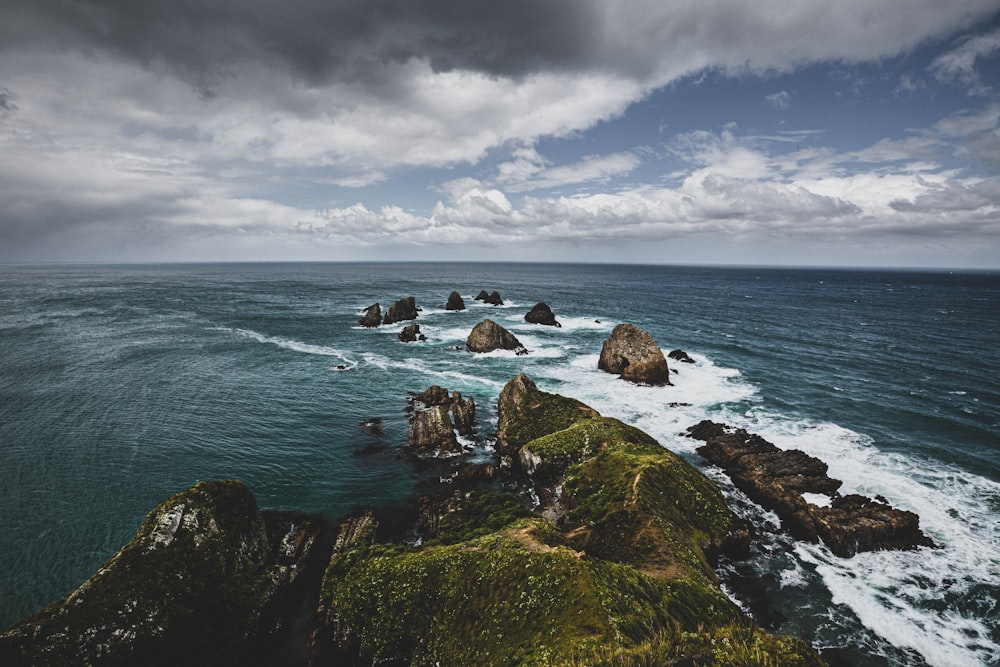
541, 314
372, 317
488, 336
633, 354
776, 479
402, 310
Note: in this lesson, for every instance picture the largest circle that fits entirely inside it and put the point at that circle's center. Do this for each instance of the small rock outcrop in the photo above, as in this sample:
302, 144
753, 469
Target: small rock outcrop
372, 317
541, 314
455, 302
493, 299
680, 355
488, 336
402, 310
411, 334
436, 417
633, 354
776, 479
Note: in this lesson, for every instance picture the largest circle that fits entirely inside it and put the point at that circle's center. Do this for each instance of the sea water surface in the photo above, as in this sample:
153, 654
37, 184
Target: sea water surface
122, 385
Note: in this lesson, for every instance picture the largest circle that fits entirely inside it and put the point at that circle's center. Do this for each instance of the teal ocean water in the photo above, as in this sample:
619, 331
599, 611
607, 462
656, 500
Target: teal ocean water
121, 385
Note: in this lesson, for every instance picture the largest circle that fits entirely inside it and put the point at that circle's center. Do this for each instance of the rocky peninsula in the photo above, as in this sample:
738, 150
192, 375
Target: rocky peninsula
613, 565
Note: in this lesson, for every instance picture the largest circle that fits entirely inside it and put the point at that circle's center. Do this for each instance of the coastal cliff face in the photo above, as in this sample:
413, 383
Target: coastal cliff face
613, 566
207, 580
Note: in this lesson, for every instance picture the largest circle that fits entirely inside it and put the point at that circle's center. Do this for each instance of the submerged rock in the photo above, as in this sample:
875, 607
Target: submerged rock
541, 314
488, 336
402, 310
776, 479
372, 317
455, 302
633, 354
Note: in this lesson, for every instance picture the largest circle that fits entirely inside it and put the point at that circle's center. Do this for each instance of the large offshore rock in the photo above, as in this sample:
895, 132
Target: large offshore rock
776, 479
455, 302
411, 334
633, 354
540, 313
488, 336
372, 317
402, 310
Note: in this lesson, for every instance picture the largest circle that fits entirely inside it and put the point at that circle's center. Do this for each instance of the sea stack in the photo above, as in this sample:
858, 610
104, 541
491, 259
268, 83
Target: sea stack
541, 314
372, 317
488, 336
633, 354
455, 302
402, 310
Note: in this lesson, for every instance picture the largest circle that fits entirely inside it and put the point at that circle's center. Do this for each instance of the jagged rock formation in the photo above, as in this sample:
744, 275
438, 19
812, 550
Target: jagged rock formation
206, 580
633, 354
776, 479
680, 355
372, 317
622, 575
488, 336
402, 310
455, 302
493, 299
411, 334
541, 314
435, 419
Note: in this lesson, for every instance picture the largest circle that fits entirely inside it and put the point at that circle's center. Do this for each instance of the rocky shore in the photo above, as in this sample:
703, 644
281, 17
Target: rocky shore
613, 565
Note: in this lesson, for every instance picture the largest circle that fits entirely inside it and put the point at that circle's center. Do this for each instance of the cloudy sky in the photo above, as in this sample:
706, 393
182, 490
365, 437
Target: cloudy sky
856, 132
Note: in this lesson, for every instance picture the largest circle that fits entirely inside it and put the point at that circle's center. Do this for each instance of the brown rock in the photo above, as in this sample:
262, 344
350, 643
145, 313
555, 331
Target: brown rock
776, 479
633, 354
488, 336
411, 333
431, 431
372, 317
541, 314
455, 302
402, 310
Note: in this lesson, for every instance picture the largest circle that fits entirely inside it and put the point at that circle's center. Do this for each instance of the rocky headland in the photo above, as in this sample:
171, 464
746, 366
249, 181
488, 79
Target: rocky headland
613, 565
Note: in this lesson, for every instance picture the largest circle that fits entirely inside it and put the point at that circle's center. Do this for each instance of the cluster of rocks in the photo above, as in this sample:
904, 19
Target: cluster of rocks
776, 479
492, 299
401, 311
437, 416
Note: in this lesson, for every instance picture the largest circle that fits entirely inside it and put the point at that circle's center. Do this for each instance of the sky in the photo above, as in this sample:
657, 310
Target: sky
785, 132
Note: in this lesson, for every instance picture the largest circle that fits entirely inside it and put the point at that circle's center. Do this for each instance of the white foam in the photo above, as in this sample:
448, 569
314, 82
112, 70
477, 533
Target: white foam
895, 594
817, 499
293, 345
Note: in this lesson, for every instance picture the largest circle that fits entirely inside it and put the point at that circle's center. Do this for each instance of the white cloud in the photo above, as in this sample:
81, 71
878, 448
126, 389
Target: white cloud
779, 100
959, 64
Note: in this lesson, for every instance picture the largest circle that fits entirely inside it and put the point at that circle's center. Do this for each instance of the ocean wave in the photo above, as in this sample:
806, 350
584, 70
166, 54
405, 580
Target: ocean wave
293, 345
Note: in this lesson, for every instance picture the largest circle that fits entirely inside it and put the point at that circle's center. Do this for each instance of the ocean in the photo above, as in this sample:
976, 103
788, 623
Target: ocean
122, 385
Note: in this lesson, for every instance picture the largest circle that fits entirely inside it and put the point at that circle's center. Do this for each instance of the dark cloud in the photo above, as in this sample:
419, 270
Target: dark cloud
317, 40
7, 104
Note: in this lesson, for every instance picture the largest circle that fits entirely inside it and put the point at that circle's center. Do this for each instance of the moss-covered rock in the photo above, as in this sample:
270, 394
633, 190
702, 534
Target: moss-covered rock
186, 590
623, 576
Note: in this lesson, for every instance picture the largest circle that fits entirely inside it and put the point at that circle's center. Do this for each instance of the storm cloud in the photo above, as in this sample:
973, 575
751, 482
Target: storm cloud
147, 128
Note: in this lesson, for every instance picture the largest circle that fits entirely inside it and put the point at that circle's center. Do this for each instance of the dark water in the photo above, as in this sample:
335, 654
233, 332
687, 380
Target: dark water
122, 385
